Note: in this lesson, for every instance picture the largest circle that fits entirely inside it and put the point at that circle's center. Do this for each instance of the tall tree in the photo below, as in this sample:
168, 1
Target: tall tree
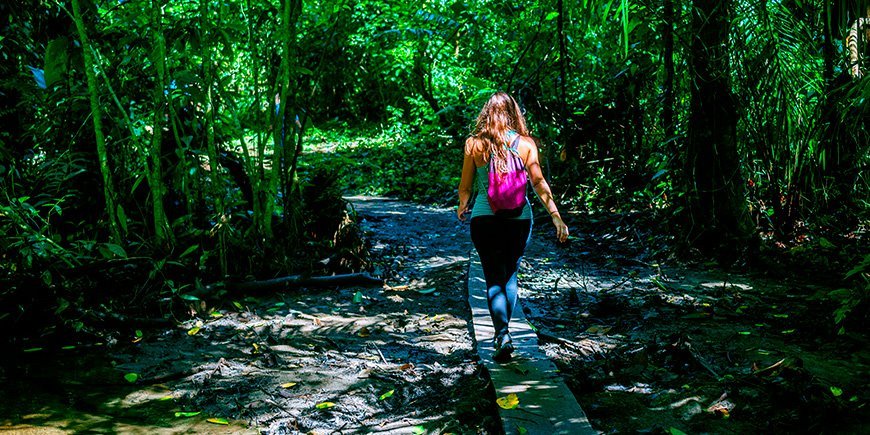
117, 217
717, 198
162, 230
668, 58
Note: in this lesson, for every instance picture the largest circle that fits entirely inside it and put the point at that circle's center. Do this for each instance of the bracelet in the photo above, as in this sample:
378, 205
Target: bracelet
553, 212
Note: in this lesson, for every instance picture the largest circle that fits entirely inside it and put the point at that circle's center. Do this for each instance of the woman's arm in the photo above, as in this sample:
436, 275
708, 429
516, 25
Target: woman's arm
542, 188
465, 186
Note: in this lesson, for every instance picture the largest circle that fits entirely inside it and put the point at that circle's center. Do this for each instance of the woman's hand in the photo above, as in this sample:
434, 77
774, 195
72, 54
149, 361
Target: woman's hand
462, 212
561, 228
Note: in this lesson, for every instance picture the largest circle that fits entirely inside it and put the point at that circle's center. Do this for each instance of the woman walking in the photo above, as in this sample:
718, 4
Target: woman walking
501, 142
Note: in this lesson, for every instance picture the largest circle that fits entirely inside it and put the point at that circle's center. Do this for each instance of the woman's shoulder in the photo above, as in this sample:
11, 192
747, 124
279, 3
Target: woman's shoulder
527, 144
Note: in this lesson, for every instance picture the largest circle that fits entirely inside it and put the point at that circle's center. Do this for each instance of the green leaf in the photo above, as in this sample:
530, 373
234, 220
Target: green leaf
825, 243
32, 349
122, 219
188, 251
418, 430
188, 297
357, 297
187, 413
218, 421
386, 395
324, 405
551, 16
745, 333
46, 277
139, 333
675, 431
70, 347
62, 305
115, 250
238, 305
837, 392
131, 377
55, 60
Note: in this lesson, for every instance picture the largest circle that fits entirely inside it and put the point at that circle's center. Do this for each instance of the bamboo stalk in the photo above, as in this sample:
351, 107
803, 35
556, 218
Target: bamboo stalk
115, 212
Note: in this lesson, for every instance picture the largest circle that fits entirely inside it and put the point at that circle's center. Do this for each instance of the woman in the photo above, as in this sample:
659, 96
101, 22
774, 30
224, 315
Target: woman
500, 241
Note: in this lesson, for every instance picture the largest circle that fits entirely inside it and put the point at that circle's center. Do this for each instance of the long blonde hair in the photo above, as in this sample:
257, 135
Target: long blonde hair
499, 115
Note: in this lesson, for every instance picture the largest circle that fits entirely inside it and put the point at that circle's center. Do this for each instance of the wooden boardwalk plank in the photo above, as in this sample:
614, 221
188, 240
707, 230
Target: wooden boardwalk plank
546, 405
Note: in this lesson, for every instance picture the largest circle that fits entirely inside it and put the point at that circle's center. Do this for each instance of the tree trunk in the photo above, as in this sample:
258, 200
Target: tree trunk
717, 194
279, 129
116, 215
216, 189
162, 230
668, 60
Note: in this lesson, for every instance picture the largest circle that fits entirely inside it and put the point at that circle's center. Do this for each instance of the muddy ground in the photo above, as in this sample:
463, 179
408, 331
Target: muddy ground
399, 359
648, 346
655, 346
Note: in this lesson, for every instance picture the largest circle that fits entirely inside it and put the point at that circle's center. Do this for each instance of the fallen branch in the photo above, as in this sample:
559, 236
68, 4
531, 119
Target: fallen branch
292, 281
585, 349
701, 360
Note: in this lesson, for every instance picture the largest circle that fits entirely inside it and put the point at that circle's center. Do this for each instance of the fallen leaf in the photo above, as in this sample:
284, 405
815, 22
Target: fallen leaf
675, 431
131, 377
510, 401
418, 430
165, 398
193, 331
407, 366
387, 394
288, 384
238, 305
187, 414
324, 405
522, 431
215, 315
357, 297
364, 332
218, 421
837, 392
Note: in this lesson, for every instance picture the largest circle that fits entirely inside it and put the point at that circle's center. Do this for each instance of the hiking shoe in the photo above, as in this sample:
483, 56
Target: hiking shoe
504, 347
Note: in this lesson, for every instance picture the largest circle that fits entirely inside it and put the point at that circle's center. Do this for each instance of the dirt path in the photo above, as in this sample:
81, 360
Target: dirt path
644, 348
352, 360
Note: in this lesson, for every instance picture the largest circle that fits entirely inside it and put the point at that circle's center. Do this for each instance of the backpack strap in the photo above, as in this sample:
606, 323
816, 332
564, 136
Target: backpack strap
515, 150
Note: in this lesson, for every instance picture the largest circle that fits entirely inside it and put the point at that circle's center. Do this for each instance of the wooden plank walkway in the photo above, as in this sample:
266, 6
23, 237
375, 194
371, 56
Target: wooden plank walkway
546, 405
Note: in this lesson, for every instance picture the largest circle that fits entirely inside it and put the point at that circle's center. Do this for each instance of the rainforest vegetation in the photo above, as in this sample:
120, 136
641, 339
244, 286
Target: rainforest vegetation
160, 161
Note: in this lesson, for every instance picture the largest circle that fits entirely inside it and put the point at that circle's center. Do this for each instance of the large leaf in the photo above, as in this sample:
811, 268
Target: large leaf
55, 60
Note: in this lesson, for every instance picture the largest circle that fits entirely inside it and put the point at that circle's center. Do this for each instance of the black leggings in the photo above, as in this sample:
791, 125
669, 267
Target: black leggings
500, 243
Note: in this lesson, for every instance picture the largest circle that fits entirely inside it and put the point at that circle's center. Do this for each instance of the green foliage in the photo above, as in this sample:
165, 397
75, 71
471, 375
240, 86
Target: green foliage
376, 162
377, 96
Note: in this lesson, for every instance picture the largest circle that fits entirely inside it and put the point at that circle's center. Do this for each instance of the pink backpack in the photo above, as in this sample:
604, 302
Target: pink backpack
507, 190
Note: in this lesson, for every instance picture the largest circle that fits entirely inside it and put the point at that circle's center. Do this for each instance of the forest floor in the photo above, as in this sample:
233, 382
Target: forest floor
645, 347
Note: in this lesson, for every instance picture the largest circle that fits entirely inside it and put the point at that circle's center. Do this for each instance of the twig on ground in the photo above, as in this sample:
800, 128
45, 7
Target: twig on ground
380, 353
701, 360
585, 349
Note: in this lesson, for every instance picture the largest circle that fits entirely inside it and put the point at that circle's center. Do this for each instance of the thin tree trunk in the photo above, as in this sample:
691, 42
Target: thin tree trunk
116, 215
211, 147
717, 193
668, 58
563, 60
162, 230
279, 130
